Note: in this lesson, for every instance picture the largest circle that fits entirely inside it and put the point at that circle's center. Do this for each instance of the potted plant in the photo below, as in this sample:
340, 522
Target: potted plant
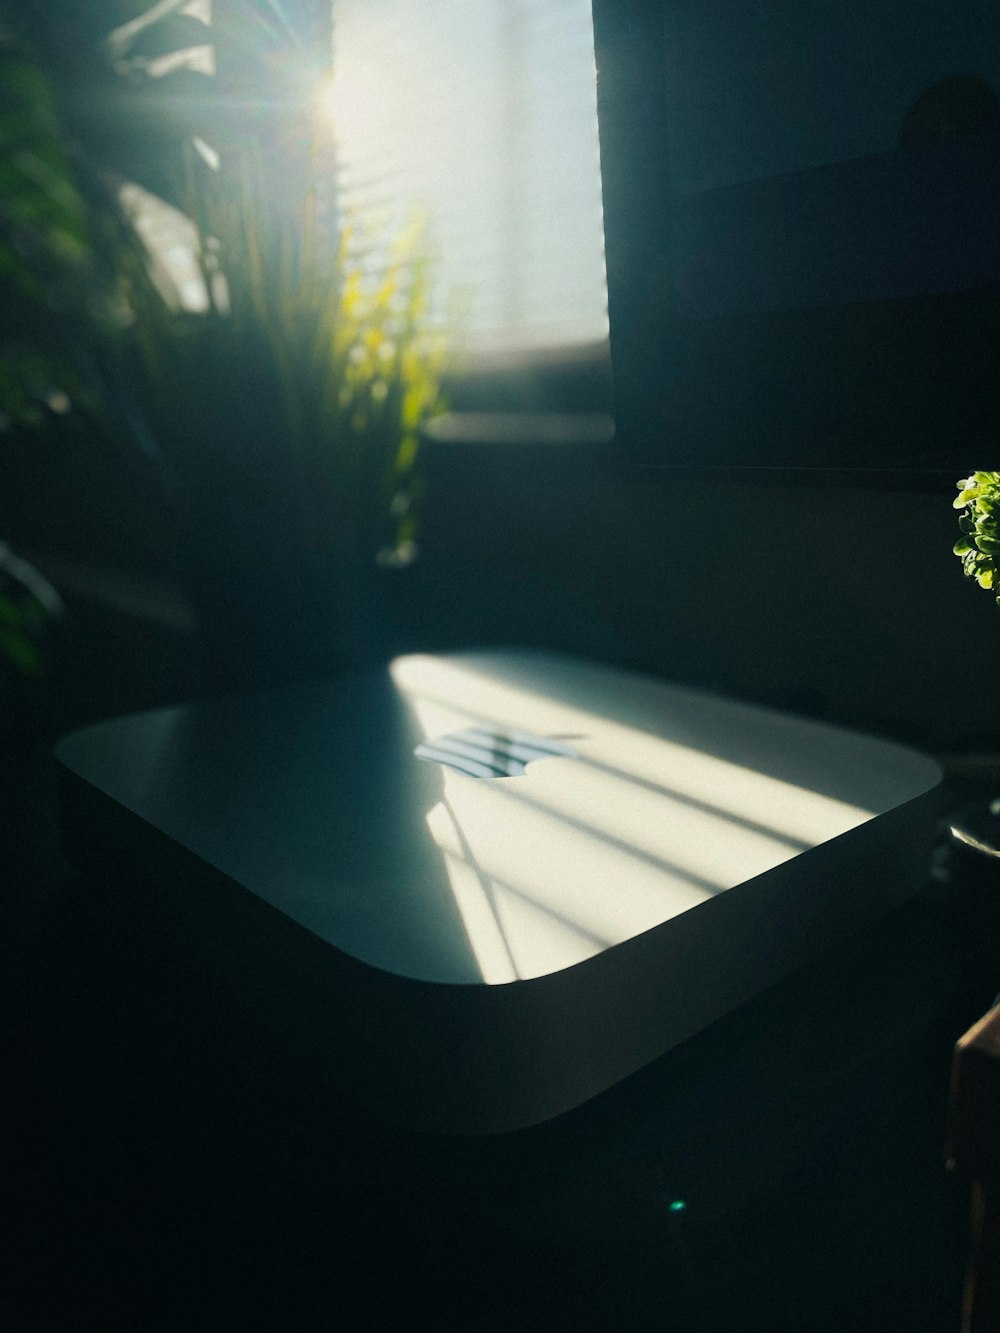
277, 402
975, 825
290, 408
978, 547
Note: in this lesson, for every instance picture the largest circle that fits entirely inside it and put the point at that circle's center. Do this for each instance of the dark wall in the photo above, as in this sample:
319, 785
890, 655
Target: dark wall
841, 601
800, 211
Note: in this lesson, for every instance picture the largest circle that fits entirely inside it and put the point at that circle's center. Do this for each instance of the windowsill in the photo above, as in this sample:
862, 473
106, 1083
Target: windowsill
522, 428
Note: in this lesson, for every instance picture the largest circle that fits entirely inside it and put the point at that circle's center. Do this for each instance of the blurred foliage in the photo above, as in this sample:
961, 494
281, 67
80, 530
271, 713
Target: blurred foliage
77, 122
44, 244
278, 396
30, 609
979, 545
307, 372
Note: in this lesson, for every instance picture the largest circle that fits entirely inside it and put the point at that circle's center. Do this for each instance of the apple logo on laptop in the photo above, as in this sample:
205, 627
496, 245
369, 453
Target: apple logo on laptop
480, 752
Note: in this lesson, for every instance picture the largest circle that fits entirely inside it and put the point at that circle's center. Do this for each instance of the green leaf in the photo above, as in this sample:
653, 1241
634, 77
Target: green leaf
174, 32
19, 650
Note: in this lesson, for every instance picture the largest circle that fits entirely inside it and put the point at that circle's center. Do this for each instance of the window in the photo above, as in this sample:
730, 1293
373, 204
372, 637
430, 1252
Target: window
482, 115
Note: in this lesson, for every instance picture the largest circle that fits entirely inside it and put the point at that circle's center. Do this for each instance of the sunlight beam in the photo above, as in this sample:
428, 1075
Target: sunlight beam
778, 808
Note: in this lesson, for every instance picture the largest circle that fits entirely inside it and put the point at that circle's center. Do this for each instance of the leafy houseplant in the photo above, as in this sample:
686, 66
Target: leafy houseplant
45, 288
279, 406
292, 404
978, 547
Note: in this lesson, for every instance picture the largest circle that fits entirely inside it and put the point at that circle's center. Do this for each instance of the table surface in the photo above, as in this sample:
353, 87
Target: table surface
490, 817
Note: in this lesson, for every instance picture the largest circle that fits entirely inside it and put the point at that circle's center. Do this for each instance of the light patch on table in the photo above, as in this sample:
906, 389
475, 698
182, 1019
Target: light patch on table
447, 696
591, 893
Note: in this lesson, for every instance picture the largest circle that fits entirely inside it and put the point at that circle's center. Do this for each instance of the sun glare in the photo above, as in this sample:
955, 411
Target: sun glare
359, 104
482, 118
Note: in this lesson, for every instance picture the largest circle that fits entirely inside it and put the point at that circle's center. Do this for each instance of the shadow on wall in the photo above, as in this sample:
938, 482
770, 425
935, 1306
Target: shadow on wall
842, 603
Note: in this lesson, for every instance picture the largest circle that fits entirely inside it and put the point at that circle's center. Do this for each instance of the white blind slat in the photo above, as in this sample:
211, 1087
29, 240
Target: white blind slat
482, 115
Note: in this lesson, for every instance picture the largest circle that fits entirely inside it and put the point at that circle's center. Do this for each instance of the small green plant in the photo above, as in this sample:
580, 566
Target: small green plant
979, 545
307, 373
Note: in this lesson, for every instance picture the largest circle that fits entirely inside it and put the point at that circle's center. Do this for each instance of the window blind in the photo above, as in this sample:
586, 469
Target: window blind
481, 116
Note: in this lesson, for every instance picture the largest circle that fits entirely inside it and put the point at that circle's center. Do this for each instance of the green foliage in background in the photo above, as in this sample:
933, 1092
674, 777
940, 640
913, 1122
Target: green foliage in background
30, 612
979, 545
80, 116
305, 374
279, 410
45, 286
312, 356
